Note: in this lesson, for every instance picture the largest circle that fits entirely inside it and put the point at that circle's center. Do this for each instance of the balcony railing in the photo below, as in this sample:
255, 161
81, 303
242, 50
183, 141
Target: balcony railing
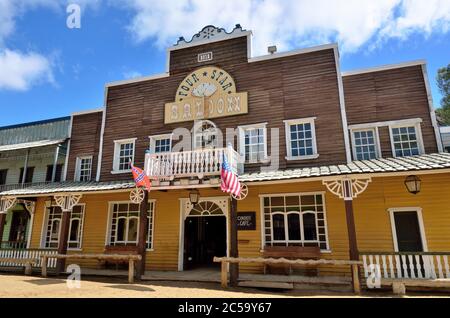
196, 163
15, 186
407, 265
14, 253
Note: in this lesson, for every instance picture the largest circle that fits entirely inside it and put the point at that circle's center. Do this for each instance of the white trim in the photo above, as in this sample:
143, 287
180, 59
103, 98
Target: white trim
432, 110
419, 137
342, 105
241, 139
78, 167
418, 210
287, 133
117, 144
376, 137
102, 132
80, 243
293, 52
137, 80
66, 160
183, 217
400, 122
384, 67
86, 112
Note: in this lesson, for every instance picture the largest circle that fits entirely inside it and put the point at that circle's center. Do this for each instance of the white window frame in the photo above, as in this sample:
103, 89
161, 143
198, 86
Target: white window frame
375, 135
417, 126
286, 241
78, 167
418, 210
45, 225
154, 138
117, 144
151, 216
241, 144
287, 130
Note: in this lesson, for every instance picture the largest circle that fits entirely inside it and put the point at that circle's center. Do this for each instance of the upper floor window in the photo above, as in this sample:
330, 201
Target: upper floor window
365, 144
161, 143
28, 176
124, 224
205, 135
3, 175
58, 173
301, 139
83, 170
53, 227
123, 155
406, 140
253, 142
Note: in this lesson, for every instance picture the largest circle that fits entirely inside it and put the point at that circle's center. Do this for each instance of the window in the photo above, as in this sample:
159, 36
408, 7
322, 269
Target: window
205, 135
301, 139
28, 176
365, 144
124, 224
447, 149
83, 170
406, 141
3, 174
53, 227
253, 142
161, 143
295, 220
49, 174
123, 155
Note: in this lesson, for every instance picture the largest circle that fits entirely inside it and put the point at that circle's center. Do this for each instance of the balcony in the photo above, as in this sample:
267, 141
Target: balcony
15, 186
197, 163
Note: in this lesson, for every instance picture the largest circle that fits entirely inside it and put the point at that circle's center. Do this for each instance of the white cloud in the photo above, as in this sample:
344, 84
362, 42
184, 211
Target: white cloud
291, 23
131, 74
22, 70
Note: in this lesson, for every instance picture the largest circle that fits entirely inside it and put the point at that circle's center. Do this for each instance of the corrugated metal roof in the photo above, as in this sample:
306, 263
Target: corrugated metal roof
33, 144
413, 164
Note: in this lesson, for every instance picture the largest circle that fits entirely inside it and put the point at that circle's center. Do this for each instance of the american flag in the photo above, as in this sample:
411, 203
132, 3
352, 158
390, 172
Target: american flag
140, 178
229, 182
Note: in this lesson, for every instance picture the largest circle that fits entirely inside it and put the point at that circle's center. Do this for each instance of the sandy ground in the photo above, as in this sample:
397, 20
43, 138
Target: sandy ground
102, 287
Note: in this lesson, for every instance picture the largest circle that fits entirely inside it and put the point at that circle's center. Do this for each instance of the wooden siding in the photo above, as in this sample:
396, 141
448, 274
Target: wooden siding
84, 141
390, 95
371, 217
298, 86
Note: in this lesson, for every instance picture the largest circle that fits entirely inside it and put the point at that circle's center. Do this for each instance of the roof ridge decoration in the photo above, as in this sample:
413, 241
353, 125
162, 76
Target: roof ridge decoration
209, 32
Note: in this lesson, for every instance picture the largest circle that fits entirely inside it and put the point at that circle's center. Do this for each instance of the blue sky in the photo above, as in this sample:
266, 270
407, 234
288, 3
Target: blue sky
48, 70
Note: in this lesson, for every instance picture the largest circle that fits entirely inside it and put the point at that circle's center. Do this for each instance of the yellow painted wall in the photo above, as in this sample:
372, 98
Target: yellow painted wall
371, 217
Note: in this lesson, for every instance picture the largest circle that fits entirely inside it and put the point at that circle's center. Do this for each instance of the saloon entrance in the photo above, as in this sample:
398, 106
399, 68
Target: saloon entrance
205, 235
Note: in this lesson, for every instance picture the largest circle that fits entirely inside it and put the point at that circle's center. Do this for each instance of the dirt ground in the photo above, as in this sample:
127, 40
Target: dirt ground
12, 286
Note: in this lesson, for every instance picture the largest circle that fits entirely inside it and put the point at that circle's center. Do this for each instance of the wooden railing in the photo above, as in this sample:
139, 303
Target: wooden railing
196, 163
15, 186
11, 253
407, 265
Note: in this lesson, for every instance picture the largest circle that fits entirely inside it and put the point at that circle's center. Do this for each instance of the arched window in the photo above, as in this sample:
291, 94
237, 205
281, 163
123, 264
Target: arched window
206, 208
309, 226
278, 226
294, 226
205, 135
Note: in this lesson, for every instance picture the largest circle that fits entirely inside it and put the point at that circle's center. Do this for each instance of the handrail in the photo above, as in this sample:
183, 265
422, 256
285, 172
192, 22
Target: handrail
402, 253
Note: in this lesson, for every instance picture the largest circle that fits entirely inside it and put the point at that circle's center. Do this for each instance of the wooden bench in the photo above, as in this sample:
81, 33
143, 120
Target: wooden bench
291, 253
131, 259
27, 262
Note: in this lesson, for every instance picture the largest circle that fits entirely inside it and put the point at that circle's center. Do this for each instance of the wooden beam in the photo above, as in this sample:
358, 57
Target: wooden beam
2, 225
62, 242
142, 240
234, 252
224, 275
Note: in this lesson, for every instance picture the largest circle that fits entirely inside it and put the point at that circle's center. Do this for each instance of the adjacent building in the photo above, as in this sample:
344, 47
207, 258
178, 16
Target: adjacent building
325, 158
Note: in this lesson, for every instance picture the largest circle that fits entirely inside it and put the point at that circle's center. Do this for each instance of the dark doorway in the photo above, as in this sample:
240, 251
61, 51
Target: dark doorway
407, 229
17, 232
205, 237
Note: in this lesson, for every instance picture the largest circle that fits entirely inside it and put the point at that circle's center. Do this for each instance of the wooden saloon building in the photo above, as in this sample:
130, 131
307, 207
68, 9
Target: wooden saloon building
335, 166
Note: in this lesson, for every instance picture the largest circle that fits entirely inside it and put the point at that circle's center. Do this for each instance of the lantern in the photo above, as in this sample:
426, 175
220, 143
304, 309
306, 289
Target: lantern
194, 196
413, 184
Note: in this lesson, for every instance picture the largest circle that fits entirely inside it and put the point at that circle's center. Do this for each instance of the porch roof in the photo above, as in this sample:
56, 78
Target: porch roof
386, 165
382, 165
33, 144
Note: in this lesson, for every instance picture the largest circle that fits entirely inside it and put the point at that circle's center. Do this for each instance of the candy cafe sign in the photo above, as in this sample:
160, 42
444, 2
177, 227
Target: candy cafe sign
208, 92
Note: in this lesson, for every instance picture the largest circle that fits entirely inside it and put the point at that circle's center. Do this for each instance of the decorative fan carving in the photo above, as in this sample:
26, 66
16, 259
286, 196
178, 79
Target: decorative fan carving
67, 201
6, 203
356, 186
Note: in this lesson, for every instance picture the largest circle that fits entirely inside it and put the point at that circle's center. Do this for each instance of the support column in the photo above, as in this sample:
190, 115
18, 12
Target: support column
62, 241
25, 166
55, 163
142, 240
2, 226
234, 252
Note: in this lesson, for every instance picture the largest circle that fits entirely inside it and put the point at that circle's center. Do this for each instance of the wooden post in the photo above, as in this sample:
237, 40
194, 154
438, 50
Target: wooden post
234, 252
55, 163
62, 243
142, 240
25, 166
224, 274
131, 271
44, 266
355, 279
2, 226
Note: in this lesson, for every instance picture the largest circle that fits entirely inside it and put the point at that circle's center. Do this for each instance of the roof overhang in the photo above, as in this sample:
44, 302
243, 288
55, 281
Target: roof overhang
33, 144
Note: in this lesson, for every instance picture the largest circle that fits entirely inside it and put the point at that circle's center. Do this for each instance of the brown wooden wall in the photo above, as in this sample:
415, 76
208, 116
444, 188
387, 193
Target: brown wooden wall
389, 95
84, 141
297, 86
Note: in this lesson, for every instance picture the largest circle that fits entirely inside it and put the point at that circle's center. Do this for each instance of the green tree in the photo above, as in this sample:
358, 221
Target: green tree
443, 82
